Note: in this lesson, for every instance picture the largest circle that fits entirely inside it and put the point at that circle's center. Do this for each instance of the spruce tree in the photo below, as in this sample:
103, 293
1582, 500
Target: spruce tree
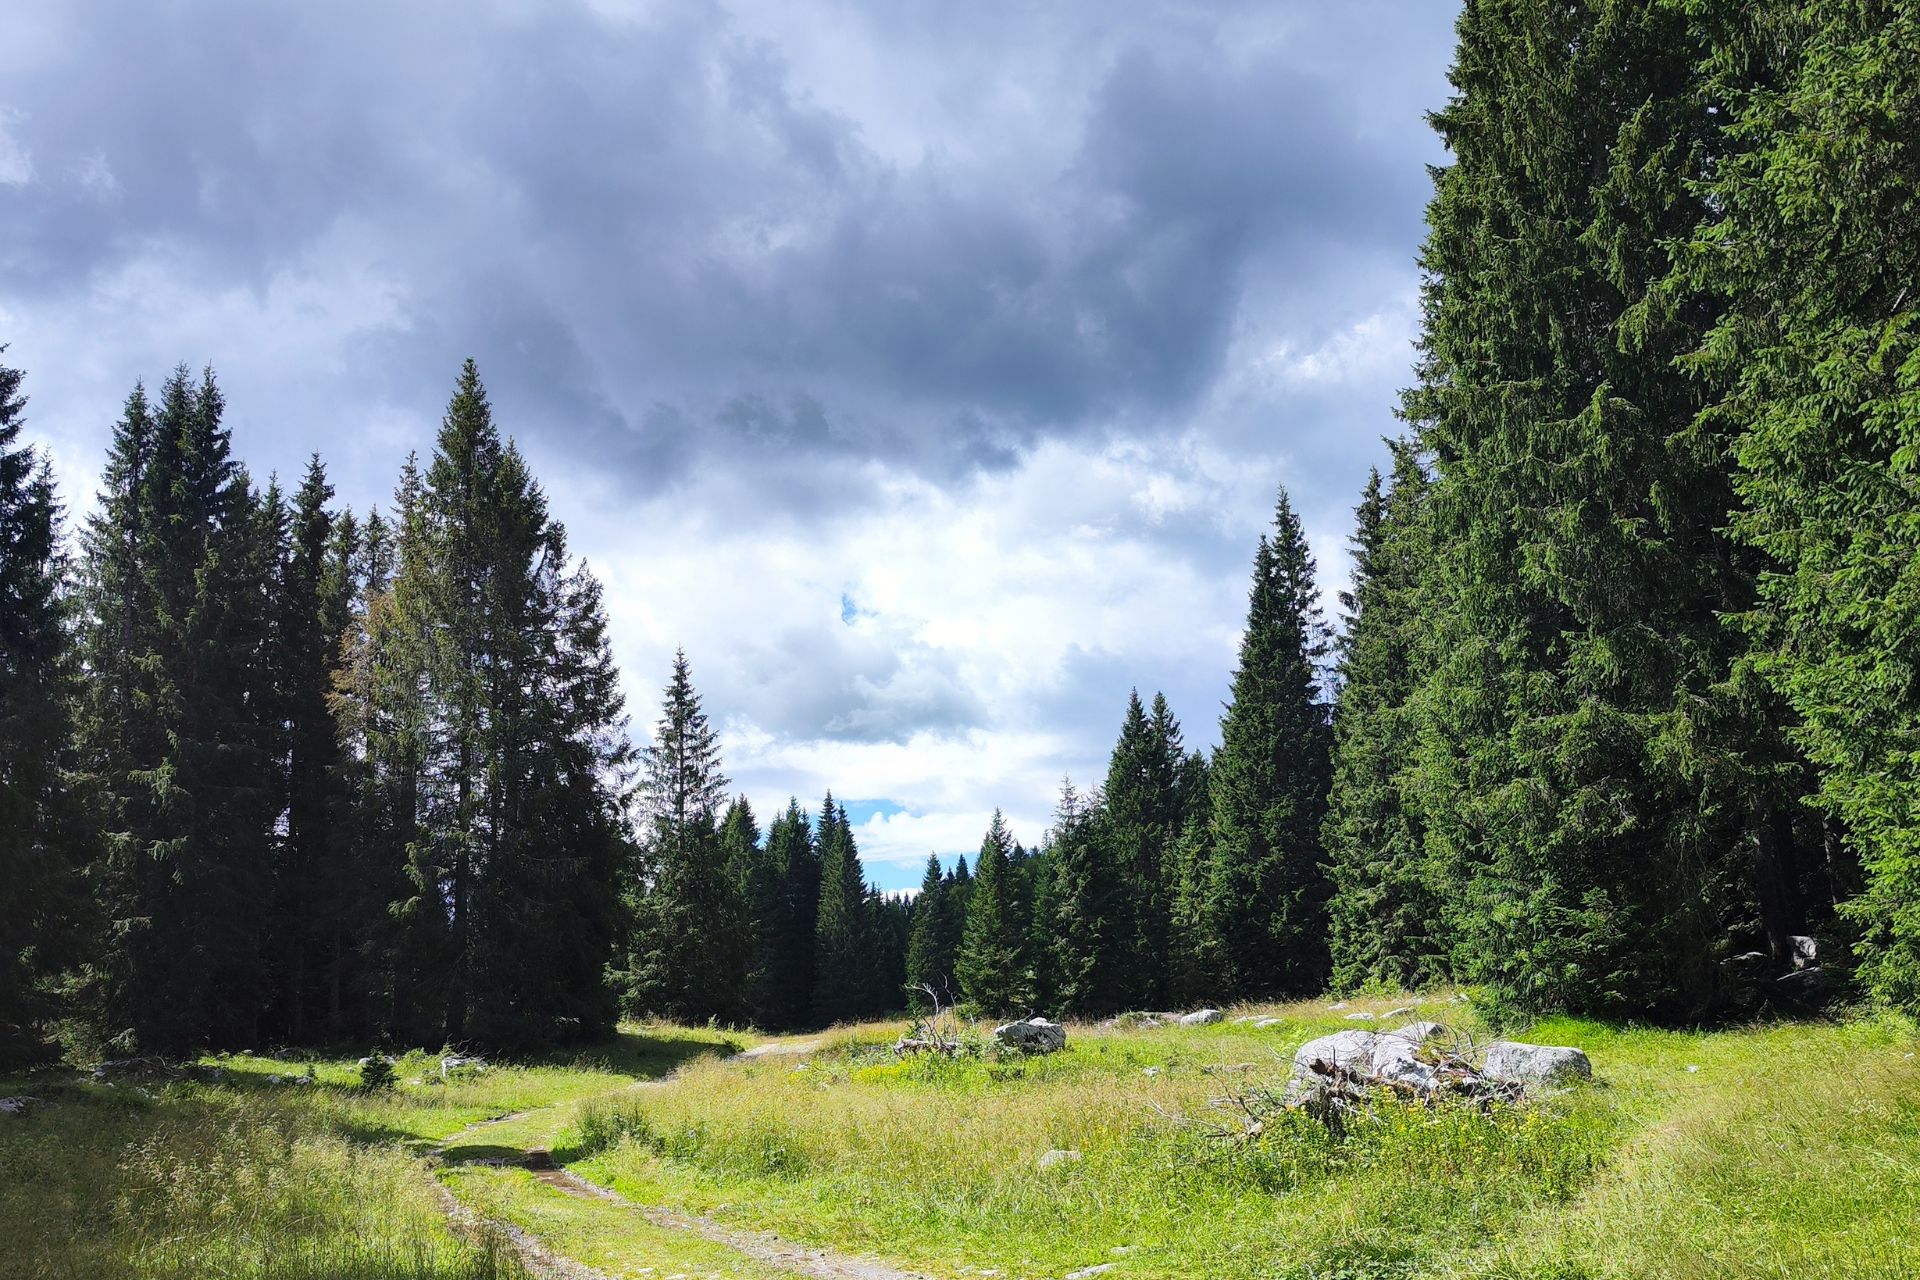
1810, 234
497, 754
1141, 820
310, 607
930, 954
180, 723
1265, 896
690, 960
991, 967
843, 951
782, 991
1385, 919
1091, 910
1042, 949
43, 838
1603, 785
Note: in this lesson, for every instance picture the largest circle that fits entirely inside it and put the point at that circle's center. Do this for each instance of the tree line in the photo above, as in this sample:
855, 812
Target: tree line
1624, 700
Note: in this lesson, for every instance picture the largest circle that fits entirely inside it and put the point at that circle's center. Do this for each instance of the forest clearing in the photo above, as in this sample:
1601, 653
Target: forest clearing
1771, 1150
1248, 641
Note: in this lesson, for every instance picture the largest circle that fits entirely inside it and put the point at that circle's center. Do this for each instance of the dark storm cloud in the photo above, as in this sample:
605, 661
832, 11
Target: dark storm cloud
664, 248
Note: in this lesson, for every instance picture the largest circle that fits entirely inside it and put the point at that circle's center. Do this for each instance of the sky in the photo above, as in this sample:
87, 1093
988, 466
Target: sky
926, 370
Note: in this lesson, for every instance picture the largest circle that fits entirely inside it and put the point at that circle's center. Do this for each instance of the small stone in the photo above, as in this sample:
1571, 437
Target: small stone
1087, 1273
1059, 1156
1150, 1072
1269, 1022
16, 1106
1805, 951
1398, 1013
1200, 1018
1338, 1006
1362, 1016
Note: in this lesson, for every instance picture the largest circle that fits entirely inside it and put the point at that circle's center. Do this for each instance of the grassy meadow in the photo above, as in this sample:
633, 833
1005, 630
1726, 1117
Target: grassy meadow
1777, 1150
223, 1171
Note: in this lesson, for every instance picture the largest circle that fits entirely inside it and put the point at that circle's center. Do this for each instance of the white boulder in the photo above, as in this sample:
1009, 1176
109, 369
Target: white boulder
1511, 1062
1035, 1035
1200, 1018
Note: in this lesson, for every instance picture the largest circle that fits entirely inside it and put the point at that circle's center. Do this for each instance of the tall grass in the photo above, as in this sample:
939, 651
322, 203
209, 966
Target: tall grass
247, 1188
938, 1162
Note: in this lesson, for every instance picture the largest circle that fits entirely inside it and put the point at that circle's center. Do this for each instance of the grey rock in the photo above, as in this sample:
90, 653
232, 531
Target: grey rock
1087, 1273
454, 1063
1362, 1016
1805, 951
1511, 1062
1398, 1013
16, 1106
1269, 1022
1035, 1035
1419, 1032
1337, 1006
1200, 1018
1059, 1156
1341, 1049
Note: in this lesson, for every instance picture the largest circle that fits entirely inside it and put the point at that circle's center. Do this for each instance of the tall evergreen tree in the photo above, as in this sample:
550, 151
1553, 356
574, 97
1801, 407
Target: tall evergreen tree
1602, 783
43, 842
1385, 913
1090, 909
931, 945
310, 604
1140, 822
690, 959
1042, 978
179, 726
1265, 895
499, 751
843, 953
782, 990
1813, 233
991, 966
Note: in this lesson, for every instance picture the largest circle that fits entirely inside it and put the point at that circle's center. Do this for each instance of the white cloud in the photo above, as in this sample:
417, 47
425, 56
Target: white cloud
16, 166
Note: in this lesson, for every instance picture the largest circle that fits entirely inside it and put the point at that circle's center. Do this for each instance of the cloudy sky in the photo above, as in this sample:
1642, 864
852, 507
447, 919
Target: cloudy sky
927, 370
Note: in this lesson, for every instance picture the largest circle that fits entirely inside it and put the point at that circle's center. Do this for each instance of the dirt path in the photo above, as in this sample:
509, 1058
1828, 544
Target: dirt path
762, 1246
540, 1262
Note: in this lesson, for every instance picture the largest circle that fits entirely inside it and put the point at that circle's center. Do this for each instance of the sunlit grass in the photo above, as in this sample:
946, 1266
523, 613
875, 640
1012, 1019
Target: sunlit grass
228, 1172
1791, 1150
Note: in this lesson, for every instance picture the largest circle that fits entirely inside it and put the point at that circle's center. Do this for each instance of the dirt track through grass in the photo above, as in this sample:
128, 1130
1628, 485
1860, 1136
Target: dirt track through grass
543, 1261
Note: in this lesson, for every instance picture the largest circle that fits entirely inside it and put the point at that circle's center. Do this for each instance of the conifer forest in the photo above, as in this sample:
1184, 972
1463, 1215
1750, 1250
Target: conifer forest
1613, 729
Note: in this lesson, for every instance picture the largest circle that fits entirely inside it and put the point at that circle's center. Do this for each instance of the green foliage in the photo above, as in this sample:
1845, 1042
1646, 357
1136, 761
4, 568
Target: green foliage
785, 900
377, 1073
991, 967
1263, 904
1606, 798
1811, 238
483, 692
1090, 911
1385, 914
692, 943
843, 953
179, 728
44, 841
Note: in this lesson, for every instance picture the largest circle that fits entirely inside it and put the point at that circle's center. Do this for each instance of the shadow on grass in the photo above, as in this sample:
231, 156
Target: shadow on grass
646, 1055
